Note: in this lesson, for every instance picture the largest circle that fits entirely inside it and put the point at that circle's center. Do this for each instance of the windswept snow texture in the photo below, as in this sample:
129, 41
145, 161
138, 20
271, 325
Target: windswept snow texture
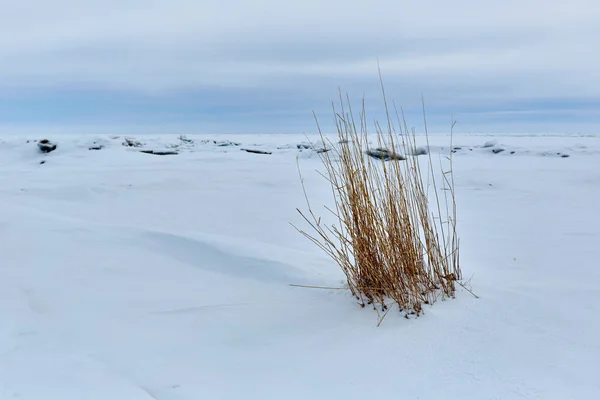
131, 276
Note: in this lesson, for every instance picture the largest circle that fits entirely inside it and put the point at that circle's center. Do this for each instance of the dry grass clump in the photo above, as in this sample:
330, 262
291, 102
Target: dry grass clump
396, 238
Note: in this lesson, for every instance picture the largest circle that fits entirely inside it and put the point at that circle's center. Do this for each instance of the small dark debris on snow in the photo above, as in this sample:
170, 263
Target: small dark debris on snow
43, 162
565, 156
512, 152
160, 152
322, 150
256, 151
304, 146
457, 148
384, 154
46, 146
96, 147
497, 150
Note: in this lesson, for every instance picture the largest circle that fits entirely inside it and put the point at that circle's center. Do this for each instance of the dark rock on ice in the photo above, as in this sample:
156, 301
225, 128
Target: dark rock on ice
308, 146
160, 152
256, 151
46, 146
185, 139
420, 151
225, 143
384, 154
130, 142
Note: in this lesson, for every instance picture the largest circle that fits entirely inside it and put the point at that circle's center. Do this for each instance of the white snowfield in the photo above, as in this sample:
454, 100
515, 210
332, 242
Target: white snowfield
135, 276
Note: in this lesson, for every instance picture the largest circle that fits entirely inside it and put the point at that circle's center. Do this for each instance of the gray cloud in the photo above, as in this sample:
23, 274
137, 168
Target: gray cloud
460, 54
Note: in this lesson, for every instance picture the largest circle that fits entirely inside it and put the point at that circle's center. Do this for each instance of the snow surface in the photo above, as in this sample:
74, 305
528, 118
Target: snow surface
133, 276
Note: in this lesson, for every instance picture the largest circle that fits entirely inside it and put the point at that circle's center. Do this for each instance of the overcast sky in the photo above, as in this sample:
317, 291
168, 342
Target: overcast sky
203, 66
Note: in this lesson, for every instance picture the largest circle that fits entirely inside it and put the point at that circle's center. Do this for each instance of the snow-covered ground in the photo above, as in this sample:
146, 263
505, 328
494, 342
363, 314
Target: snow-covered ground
132, 276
